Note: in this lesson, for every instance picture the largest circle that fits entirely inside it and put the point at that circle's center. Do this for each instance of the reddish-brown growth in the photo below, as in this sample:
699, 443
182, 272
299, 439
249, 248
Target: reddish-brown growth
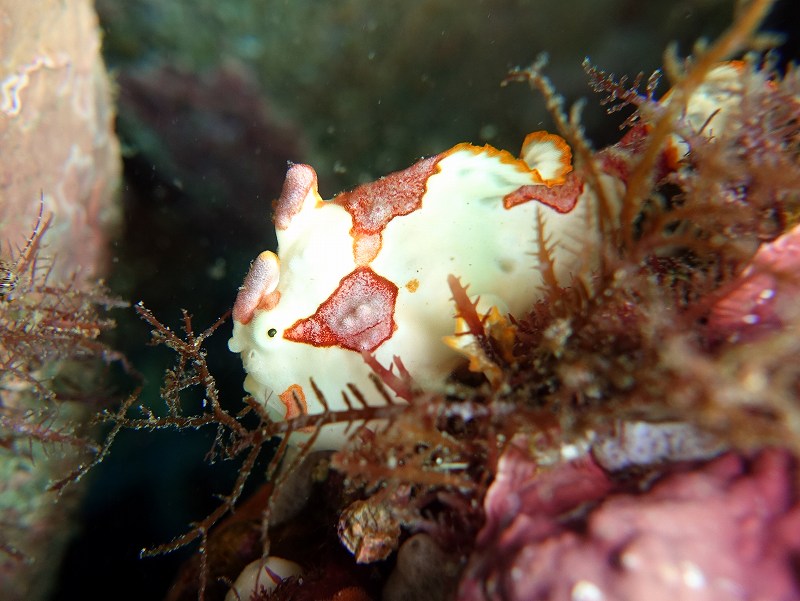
49, 341
41, 324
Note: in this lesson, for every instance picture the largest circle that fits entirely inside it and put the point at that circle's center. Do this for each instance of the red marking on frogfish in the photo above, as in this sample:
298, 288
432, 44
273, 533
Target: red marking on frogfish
300, 181
375, 204
294, 399
358, 316
562, 198
259, 288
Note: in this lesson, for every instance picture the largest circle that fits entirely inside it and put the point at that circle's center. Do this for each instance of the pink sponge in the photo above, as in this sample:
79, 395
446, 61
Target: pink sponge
727, 530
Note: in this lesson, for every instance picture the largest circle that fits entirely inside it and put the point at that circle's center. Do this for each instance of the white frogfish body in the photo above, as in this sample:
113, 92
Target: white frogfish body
367, 270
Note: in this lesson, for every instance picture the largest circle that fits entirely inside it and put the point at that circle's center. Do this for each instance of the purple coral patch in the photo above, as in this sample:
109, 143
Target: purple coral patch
727, 530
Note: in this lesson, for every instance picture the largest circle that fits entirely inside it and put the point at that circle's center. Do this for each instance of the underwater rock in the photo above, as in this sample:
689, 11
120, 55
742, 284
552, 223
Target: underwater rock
423, 572
56, 132
60, 162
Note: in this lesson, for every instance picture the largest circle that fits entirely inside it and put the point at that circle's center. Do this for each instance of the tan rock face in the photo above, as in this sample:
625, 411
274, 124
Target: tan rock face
57, 144
56, 134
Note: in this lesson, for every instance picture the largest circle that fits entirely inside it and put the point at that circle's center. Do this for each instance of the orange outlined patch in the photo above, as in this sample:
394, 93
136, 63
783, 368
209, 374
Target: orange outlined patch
540, 148
294, 399
373, 205
502, 155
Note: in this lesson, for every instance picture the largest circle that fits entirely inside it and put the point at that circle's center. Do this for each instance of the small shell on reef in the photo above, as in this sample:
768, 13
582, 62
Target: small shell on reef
262, 574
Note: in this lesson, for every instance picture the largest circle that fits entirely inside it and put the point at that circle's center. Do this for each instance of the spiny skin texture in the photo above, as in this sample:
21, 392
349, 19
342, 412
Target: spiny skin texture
367, 271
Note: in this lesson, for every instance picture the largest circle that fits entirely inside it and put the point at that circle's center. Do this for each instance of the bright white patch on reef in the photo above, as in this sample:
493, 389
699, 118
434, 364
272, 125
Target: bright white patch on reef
586, 591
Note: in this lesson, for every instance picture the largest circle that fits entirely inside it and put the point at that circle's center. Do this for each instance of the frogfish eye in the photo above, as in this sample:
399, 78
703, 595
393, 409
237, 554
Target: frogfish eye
271, 332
